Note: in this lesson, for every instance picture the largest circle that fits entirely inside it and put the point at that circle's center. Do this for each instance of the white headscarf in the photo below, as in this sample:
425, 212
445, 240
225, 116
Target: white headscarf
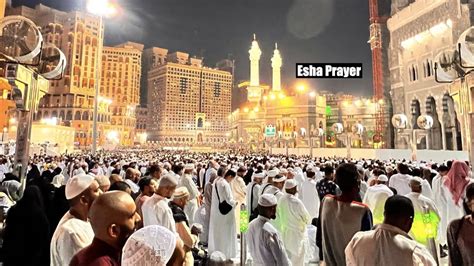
58, 180
151, 245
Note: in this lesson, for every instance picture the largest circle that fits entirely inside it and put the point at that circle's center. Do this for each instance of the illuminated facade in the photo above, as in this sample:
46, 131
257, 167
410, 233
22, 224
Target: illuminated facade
120, 82
151, 58
6, 105
350, 110
141, 128
188, 103
59, 139
419, 31
71, 99
276, 117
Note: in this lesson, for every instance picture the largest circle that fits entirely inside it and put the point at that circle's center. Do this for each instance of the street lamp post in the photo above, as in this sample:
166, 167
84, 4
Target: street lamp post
100, 8
425, 122
5, 129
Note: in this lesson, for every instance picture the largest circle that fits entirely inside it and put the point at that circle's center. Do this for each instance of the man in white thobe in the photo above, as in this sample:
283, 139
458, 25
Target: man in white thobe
252, 192
309, 193
211, 170
239, 190
275, 187
426, 220
401, 181
376, 196
74, 232
222, 229
187, 182
389, 244
292, 220
264, 241
441, 203
155, 209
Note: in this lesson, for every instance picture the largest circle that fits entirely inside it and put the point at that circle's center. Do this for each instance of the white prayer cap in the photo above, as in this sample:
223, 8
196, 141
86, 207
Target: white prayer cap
267, 200
151, 245
168, 180
217, 256
259, 175
290, 183
180, 192
273, 173
382, 178
283, 171
279, 179
78, 184
189, 166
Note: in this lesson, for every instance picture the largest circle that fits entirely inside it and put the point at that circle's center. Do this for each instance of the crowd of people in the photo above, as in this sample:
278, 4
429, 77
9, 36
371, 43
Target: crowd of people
150, 207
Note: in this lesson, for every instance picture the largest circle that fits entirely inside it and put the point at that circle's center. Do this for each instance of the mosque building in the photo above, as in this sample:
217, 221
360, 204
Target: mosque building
276, 116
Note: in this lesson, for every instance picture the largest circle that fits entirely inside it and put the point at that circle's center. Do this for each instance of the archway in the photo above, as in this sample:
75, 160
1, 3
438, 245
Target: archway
415, 113
85, 115
435, 134
452, 131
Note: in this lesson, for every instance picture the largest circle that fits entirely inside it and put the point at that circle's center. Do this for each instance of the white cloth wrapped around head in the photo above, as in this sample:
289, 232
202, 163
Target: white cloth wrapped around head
267, 200
290, 183
382, 178
151, 245
273, 172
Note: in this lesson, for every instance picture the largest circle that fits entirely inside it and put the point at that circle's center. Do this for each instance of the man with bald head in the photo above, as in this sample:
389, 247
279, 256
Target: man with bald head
113, 218
155, 209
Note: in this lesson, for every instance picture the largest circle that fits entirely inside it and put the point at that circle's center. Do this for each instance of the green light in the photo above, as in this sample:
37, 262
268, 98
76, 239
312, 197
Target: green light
425, 226
244, 221
328, 110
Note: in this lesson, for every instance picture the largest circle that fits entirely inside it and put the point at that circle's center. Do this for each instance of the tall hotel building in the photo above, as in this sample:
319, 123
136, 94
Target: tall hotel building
71, 99
188, 103
120, 83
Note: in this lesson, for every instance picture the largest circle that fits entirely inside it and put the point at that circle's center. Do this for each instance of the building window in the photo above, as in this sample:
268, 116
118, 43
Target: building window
429, 71
217, 89
183, 84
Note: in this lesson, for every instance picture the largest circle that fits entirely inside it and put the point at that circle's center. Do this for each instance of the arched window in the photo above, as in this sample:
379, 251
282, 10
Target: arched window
429, 65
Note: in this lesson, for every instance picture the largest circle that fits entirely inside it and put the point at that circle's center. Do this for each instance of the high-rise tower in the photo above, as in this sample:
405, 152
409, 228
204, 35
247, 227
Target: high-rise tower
276, 67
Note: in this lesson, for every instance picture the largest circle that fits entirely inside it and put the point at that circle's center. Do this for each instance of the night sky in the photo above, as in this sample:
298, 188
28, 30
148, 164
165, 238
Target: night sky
312, 31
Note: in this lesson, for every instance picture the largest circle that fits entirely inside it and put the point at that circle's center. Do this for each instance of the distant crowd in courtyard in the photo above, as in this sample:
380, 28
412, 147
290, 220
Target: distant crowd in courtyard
155, 207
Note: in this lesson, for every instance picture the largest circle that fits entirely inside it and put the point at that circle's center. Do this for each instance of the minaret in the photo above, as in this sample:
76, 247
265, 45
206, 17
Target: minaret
276, 66
255, 54
254, 91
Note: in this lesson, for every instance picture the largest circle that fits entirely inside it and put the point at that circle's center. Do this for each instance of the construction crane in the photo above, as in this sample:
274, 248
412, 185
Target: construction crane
377, 24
